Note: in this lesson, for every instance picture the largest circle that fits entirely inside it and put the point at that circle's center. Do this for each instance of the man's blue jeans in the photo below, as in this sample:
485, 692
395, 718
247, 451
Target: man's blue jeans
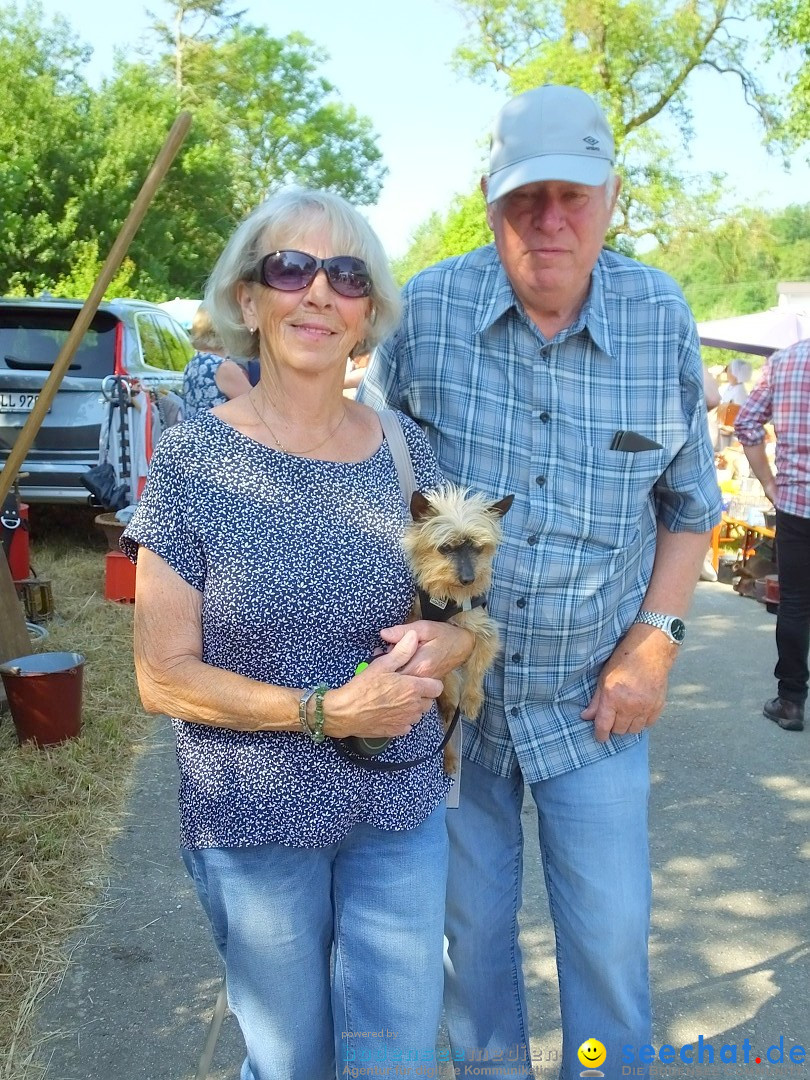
277, 913
594, 847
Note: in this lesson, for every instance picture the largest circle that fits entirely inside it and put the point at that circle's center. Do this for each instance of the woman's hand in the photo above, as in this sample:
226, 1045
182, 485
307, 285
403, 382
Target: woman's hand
442, 647
382, 700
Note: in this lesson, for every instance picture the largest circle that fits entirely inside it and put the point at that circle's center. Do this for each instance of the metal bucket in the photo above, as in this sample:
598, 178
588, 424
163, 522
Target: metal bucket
44, 694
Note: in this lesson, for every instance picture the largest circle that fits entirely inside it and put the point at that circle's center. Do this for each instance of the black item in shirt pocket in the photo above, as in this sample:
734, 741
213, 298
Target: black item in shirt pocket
632, 442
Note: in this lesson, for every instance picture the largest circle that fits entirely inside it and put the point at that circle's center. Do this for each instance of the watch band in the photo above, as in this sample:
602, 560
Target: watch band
673, 626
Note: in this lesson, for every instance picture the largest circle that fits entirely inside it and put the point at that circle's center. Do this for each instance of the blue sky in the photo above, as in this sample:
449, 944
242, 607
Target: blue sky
391, 60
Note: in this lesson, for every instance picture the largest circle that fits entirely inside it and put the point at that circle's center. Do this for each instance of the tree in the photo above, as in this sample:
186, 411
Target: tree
193, 211
281, 123
46, 146
734, 267
461, 229
84, 270
791, 31
635, 58
277, 119
72, 159
194, 25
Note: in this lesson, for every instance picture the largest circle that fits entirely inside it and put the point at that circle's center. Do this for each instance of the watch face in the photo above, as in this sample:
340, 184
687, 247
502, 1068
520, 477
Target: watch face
678, 629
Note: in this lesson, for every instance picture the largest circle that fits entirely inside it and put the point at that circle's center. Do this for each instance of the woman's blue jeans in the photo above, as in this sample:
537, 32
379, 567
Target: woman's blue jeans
594, 847
333, 955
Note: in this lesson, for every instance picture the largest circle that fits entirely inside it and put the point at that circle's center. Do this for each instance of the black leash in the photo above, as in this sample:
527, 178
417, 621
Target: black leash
372, 764
436, 609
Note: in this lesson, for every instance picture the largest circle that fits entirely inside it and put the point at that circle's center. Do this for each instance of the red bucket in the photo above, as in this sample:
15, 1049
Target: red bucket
44, 694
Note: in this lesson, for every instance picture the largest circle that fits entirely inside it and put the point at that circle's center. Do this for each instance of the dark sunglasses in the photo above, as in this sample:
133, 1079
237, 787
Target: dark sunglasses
290, 271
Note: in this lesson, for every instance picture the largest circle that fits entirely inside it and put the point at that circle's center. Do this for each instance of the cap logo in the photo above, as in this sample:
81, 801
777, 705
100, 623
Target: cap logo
591, 142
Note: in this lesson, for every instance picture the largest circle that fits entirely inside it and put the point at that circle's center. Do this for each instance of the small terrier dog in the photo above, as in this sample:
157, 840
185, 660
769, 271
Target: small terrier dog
450, 545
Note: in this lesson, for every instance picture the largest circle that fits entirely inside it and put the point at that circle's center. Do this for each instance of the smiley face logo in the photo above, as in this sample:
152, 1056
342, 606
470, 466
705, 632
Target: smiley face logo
592, 1054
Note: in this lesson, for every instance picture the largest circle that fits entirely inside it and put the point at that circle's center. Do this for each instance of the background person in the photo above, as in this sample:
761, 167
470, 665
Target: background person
782, 396
210, 378
711, 392
733, 395
269, 567
523, 361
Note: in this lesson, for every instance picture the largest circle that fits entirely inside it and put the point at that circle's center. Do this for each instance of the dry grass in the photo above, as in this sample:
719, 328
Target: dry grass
59, 807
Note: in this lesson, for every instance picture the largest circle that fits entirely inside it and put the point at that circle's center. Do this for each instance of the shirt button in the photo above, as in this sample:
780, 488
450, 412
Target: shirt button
544, 417
516, 657
513, 711
521, 602
540, 480
532, 540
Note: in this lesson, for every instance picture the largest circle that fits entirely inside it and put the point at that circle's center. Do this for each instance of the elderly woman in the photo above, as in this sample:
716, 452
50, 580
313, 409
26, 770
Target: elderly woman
210, 378
269, 569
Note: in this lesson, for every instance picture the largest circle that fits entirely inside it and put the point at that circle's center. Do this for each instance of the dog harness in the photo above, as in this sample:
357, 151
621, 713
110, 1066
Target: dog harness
437, 609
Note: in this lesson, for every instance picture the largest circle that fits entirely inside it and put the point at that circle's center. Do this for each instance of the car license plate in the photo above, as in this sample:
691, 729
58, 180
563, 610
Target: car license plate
17, 401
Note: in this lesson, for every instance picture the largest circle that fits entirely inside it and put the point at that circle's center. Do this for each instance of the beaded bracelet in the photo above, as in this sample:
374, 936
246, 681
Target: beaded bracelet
317, 728
316, 731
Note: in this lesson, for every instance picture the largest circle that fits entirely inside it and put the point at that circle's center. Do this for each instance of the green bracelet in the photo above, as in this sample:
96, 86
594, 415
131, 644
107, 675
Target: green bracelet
317, 734
316, 731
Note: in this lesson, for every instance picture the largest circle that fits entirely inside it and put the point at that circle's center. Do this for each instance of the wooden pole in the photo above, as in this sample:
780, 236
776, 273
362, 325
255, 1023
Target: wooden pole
14, 640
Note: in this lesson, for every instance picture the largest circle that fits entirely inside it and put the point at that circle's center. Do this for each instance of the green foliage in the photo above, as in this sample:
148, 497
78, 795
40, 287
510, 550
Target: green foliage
193, 210
461, 229
280, 122
734, 267
46, 145
84, 270
790, 20
635, 58
72, 159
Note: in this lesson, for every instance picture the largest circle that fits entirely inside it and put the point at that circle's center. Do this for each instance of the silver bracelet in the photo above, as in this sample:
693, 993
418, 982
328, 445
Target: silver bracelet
303, 701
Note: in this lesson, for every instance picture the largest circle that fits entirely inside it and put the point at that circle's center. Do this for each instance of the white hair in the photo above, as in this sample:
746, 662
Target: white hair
284, 220
611, 186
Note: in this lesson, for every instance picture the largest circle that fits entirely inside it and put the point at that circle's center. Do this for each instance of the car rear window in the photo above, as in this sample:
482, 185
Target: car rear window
30, 340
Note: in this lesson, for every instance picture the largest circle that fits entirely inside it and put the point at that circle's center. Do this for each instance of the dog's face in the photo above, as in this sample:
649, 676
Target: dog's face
452, 540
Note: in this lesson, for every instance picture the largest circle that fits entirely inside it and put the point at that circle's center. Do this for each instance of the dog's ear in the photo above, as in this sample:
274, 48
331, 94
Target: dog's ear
500, 508
420, 507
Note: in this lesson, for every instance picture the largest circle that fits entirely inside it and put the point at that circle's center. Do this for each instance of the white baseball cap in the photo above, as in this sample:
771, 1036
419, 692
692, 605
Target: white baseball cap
549, 133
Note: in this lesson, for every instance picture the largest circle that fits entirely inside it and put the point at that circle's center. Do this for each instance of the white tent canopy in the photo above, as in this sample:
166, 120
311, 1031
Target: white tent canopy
761, 333
183, 311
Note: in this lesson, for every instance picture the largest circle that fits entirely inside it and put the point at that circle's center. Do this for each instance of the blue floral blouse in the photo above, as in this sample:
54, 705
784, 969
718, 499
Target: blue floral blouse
200, 391
299, 564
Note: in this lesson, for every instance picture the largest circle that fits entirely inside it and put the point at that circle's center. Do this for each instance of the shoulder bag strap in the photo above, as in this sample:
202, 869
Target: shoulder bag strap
392, 429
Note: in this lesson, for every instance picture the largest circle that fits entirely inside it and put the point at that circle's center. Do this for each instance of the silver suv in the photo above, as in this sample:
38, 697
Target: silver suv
126, 337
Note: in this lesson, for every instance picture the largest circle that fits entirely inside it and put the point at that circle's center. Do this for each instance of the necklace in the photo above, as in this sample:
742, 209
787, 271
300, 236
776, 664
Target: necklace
296, 453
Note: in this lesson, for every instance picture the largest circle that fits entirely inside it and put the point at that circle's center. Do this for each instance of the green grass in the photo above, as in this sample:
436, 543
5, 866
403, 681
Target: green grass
60, 807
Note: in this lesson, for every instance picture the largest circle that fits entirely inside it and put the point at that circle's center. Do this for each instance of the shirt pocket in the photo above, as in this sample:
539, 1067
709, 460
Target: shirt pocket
605, 494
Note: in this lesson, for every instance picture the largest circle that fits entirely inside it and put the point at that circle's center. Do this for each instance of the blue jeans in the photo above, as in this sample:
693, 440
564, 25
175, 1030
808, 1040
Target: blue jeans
594, 847
373, 904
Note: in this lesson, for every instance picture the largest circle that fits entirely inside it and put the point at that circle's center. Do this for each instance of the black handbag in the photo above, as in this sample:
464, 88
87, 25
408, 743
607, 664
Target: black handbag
102, 483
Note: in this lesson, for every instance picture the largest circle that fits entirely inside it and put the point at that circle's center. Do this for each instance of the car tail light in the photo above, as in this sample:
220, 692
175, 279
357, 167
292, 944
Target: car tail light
119, 368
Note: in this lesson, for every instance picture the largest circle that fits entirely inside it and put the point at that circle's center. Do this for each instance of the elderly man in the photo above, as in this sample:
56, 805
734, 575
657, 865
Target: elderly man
782, 395
549, 366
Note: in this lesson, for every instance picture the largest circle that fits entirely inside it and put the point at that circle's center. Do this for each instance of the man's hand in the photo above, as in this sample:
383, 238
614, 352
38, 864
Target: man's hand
441, 648
632, 687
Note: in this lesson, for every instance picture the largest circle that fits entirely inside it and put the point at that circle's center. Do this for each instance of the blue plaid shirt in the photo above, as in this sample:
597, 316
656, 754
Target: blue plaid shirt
508, 411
